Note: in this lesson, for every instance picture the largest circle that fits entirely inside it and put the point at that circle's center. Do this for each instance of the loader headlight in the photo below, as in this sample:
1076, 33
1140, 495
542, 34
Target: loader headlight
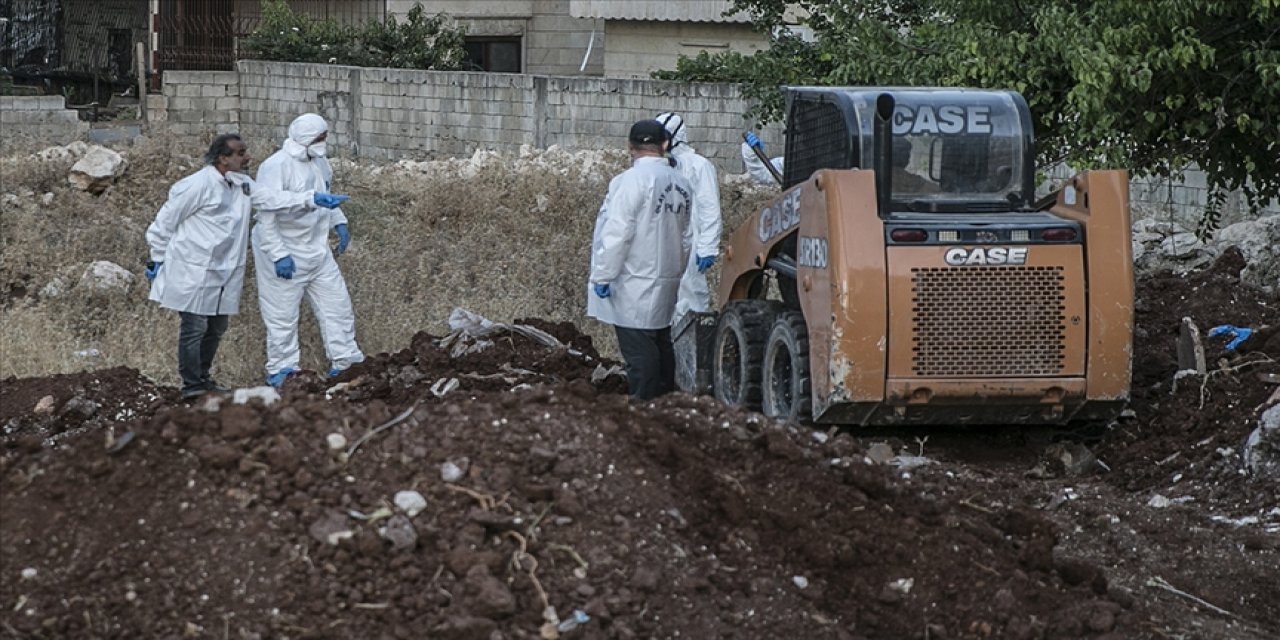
948, 236
1065, 234
1019, 235
908, 235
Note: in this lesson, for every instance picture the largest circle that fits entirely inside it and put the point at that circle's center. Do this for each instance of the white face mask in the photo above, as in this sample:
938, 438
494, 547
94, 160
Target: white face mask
316, 150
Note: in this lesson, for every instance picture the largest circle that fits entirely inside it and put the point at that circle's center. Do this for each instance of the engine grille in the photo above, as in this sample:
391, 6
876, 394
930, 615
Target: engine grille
988, 321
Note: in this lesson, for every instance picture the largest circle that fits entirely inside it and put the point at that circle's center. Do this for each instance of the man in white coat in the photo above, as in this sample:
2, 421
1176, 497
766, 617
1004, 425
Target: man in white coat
755, 167
641, 245
695, 295
292, 259
198, 242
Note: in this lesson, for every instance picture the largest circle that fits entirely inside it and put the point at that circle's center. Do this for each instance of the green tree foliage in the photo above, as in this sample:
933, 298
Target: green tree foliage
1148, 85
421, 42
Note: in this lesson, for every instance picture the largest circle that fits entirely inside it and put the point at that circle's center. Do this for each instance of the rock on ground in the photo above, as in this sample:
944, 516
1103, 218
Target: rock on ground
1259, 241
97, 170
103, 276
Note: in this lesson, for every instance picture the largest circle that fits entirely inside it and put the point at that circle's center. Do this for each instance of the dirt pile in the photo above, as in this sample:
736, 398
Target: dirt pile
545, 494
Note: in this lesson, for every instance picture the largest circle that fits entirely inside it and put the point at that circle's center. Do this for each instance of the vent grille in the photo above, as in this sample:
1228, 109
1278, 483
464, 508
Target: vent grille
988, 321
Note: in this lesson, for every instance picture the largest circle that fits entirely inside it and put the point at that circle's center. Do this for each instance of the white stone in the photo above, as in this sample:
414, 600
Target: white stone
410, 502
268, 395
1259, 242
450, 472
65, 153
103, 276
97, 170
1262, 448
336, 441
44, 406
1159, 502
29, 573
800, 581
53, 288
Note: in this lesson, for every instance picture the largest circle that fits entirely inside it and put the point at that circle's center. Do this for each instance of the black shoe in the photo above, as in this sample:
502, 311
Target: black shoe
214, 387
191, 394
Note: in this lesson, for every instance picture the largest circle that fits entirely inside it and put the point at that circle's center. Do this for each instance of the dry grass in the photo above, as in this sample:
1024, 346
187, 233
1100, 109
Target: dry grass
507, 237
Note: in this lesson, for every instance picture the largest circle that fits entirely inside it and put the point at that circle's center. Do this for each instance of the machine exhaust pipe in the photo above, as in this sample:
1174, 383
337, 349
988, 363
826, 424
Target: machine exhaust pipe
882, 144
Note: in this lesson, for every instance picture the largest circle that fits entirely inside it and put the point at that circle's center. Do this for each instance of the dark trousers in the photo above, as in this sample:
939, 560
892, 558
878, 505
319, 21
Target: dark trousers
651, 361
198, 339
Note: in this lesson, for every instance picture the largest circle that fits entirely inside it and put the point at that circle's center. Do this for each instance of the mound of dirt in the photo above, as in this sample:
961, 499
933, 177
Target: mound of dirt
37, 410
1188, 430
498, 487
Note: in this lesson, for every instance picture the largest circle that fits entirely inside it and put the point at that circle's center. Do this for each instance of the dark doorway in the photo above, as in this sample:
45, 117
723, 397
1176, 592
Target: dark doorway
500, 55
120, 53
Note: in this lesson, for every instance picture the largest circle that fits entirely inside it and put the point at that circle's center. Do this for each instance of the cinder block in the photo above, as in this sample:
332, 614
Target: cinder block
179, 77
188, 90
50, 102
180, 103
227, 104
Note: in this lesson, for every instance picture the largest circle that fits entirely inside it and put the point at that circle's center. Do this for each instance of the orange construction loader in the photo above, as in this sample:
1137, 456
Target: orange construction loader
907, 274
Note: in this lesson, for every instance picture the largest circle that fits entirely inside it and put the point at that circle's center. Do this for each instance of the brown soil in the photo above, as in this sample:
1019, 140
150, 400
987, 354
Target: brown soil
676, 518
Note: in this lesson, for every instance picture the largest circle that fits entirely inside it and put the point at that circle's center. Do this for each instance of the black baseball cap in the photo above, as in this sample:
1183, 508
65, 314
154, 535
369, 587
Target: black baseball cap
647, 132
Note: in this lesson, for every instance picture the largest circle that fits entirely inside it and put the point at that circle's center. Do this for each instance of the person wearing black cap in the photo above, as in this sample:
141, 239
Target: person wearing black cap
639, 251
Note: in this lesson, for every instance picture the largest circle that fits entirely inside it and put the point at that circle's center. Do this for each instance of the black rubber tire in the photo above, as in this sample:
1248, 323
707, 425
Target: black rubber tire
787, 391
741, 334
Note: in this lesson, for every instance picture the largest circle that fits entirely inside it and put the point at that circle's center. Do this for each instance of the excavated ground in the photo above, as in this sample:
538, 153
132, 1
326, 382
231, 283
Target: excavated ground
127, 514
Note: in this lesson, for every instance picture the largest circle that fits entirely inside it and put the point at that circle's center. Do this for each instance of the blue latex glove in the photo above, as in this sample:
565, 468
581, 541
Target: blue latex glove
152, 269
329, 201
285, 267
1236, 334
705, 262
344, 239
754, 141
602, 290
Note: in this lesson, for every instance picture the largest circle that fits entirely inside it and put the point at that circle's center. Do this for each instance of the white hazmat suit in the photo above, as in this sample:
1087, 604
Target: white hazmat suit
756, 168
302, 233
200, 234
641, 245
694, 294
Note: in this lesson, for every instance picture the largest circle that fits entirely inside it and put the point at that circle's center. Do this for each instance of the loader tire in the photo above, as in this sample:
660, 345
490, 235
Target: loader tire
741, 335
787, 392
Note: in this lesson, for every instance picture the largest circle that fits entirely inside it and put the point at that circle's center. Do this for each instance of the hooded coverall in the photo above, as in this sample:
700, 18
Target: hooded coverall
640, 248
302, 233
694, 294
200, 234
756, 168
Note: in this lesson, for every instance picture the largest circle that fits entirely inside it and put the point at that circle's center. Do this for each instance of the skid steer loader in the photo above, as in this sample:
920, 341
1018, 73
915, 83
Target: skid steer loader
907, 275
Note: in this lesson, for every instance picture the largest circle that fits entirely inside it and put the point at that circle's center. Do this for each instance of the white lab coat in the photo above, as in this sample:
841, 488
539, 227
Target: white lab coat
642, 241
694, 294
201, 233
756, 168
302, 233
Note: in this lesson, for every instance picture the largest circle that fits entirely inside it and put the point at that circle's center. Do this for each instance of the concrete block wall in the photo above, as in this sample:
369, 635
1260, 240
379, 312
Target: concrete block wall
199, 104
1181, 198
598, 112
394, 113
45, 117
272, 94
448, 114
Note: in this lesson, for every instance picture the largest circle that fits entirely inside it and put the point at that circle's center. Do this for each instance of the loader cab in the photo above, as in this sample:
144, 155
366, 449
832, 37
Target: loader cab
951, 150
